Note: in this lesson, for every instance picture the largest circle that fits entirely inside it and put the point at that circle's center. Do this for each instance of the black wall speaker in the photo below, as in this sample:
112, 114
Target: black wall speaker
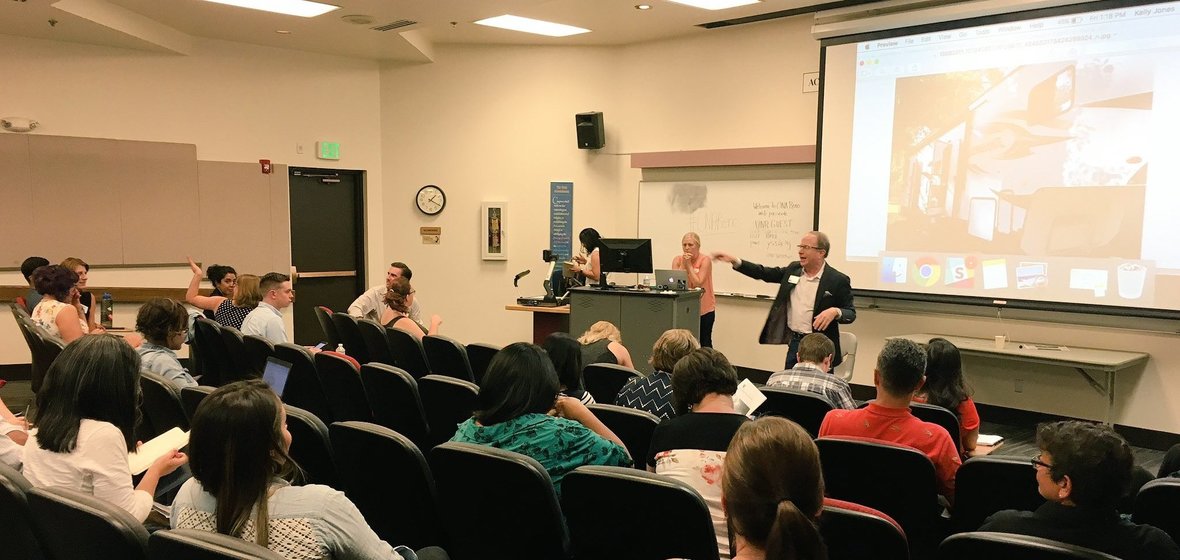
591, 135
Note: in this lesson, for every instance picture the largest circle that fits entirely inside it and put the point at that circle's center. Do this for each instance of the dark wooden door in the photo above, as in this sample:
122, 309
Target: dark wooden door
327, 244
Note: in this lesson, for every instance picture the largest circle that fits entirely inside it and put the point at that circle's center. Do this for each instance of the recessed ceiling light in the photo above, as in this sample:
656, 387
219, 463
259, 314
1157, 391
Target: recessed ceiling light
283, 32
529, 25
301, 8
715, 4
643, 6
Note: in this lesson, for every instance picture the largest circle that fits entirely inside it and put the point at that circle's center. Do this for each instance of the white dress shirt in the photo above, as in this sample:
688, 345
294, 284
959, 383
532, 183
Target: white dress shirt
802, 311
266, 321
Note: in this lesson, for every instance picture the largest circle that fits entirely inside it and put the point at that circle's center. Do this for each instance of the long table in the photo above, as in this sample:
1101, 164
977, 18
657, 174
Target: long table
1083, 360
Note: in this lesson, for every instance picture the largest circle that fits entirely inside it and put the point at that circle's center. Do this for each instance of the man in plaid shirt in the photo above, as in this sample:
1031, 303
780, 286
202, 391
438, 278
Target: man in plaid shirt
811, 372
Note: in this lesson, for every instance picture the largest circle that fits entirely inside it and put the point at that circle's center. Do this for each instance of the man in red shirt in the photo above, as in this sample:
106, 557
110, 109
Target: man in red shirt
900, 372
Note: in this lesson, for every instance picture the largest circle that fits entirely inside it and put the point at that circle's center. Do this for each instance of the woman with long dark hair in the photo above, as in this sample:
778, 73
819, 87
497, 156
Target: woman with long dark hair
945, 387
242, 470
589, 265
773, 490
84, 426
566, 354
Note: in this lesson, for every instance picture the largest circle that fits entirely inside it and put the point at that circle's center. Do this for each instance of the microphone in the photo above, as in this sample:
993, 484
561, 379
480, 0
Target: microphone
519, 275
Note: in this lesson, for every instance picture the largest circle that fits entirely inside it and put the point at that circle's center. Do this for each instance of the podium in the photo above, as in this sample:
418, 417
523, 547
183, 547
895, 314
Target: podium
641, 315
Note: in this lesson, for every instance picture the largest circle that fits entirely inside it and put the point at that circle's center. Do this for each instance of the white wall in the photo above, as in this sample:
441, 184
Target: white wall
236, 102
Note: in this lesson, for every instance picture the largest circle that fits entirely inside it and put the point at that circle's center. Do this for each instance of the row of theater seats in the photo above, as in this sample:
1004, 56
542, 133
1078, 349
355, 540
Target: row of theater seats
43, 347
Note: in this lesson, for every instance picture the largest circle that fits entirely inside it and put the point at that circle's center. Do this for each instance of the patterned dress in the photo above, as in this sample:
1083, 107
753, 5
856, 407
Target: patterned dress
559, 444
230, 315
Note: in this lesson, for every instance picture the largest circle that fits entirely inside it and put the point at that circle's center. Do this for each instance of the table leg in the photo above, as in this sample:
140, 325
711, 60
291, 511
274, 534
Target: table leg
1109, 398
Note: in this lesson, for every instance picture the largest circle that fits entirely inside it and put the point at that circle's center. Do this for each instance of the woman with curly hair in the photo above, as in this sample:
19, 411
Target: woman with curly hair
400, 298
60, 311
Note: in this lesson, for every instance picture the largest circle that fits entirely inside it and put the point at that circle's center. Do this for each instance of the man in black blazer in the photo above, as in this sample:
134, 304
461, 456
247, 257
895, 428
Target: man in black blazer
812, 297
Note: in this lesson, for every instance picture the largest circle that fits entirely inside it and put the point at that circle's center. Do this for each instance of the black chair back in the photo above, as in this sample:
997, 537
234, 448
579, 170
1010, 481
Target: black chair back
311, 447
447, 357
25, 324
376, 344
239, 359
910, 497
604, 381
448, 402
518, 515
191, 544
633, 426
853, 533
802, 407
380, 467
191, 397
20, 542
303, 382
331, 337
393, 396
214, 357
350, 336
76, 526
46, 349
408, 352
1155, 505
941, 416
989, 546
609, 513
985, 485
479, 355
258, 349
161, 403
340, 377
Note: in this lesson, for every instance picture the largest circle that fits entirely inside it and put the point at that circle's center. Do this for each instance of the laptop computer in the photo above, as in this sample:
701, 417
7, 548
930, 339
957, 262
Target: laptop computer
275, 374
671, 279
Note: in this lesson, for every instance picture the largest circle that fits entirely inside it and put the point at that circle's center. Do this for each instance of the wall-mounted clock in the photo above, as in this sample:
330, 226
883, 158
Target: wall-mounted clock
431, 200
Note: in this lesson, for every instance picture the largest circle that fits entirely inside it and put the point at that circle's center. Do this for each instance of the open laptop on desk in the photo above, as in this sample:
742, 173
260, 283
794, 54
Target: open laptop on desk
667, 279
275, 374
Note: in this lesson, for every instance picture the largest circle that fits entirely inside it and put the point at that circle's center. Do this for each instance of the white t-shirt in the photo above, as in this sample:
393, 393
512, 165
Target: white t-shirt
97, 466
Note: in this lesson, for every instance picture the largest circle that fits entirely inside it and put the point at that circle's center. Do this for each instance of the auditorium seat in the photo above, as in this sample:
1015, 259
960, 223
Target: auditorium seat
191, 397
340, 377
408, 352
331, 337
74, 526
207, 344
987, 484
448, 402
604, 381
480, 355
854, 532
393, 396
941, 416
239, 360
902, 485
633, 426
376, 343
447, 357
387, 477
20, 543
303, 382
616, 512
350, 335
508, 511
1006, 546
1156, 505
802, 407
311, 447
258, 349
25, 324
191, 544
848, 356
46, 349
161, 403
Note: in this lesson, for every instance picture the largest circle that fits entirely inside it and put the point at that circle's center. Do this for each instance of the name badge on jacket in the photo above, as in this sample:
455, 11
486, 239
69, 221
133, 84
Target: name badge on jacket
793, 279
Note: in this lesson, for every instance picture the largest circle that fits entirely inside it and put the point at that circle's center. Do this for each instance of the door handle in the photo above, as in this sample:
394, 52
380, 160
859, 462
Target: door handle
328, 274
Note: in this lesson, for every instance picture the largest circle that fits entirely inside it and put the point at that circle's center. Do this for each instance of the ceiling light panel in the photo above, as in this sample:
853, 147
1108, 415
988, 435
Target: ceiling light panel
301, 8
715, 4
529, 25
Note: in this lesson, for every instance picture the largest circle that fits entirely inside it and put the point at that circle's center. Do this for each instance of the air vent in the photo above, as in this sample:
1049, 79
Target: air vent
395, 25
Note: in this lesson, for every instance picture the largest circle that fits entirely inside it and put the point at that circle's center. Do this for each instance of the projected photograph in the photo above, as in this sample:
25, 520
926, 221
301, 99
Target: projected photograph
1046, 160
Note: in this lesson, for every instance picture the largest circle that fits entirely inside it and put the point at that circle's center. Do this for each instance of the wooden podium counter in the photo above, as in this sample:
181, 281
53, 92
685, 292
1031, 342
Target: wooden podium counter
546, 320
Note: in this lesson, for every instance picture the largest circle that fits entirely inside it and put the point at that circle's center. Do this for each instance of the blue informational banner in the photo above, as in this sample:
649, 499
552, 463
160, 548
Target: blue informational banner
561, 219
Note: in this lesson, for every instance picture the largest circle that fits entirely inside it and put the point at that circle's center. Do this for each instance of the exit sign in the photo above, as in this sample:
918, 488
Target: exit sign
328, 150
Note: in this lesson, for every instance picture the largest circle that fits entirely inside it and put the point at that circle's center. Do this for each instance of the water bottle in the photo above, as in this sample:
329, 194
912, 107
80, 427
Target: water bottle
340, 348
106, 311
647, 281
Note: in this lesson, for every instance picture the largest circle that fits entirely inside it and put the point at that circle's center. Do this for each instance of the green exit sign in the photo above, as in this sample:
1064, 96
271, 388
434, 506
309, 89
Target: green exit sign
328, 150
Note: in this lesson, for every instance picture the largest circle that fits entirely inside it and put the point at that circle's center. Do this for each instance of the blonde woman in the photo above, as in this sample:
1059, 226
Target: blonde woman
603, 343
226, 311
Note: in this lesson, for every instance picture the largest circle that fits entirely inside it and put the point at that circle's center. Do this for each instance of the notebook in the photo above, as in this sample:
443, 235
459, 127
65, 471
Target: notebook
275, 374
142, 458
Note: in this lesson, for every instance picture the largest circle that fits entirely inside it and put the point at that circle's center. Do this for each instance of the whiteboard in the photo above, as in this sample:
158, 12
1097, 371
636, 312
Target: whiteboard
758, 221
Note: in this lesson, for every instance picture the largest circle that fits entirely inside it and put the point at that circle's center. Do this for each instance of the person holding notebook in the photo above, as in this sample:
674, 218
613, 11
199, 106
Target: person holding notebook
699, 268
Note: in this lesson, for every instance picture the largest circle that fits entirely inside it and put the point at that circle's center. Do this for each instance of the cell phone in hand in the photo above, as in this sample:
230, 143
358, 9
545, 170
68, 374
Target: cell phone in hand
321, 345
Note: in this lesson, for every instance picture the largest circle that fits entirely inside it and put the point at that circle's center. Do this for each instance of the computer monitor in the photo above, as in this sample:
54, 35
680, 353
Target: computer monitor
624, 255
